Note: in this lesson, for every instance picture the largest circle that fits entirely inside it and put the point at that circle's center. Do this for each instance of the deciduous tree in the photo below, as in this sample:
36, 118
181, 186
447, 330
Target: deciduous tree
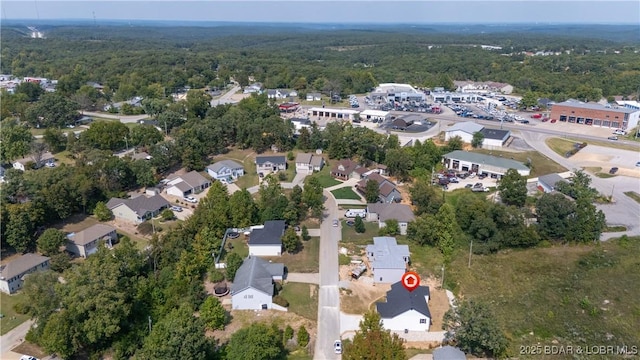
472, 327
372, 341
234, 261
102, 212
371, 191
258, 341
513, 188
213, 314
291, 241
50, 241
16, 141
477, 139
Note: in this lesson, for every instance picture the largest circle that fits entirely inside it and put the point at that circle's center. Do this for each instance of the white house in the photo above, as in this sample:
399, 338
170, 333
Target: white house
46, 158
482, 164
314, 96
228, 170
85, 242
388, 259
267, 240
464, 129
187, 184
253, 88
253, 285
308, 163
405, 310
547, 183
266, 163
138, 209
383, 212
12, 274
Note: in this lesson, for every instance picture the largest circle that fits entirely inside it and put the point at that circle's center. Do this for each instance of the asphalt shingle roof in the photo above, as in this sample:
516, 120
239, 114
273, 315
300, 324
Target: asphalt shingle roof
550, 179
271, 234
258, 274
276, 159
478, 158
400, 212
495, 134
141, 205
91, 233
224, 164
400, 300
21, 264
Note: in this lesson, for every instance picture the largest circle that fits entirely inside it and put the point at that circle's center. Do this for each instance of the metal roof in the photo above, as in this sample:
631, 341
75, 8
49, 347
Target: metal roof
258, 274
400, 300
595, 106
387, 254
483, 159
495, 134
20, 265
468, 126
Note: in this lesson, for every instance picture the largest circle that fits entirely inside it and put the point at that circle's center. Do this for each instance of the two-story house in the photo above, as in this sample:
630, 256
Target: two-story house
12, 274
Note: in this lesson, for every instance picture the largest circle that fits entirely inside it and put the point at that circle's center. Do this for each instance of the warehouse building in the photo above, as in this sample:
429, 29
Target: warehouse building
478, 163
594, 114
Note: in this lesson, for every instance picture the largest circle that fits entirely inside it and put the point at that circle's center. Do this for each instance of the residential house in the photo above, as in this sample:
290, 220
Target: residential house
384, 212
314, 96
280, 93
253, 88
266, 163
405, 310
448, 353
46, 158
548, 183
187, 184
12, 274
344, 169
134, 102
299, 123
387, 191
225, 170
253, 285
266, 240
307, 163
138, 209
387, 259
85, 242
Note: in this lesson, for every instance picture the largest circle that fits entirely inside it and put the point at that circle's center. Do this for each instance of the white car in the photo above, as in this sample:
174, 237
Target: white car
190, 199
337, 347
27, 357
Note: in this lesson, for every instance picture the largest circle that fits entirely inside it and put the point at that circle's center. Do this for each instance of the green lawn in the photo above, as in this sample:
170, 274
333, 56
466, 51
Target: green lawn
609, 143
305, 261
325, 179
577, 295
247, 158
560, 146
350, 236
302, 298
41, 131
299, 354
344, 259
10, 319
634, 195
541, 164
345, 193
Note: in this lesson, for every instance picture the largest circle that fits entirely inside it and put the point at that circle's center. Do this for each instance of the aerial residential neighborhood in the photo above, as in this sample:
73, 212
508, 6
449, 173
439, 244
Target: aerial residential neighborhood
320, 189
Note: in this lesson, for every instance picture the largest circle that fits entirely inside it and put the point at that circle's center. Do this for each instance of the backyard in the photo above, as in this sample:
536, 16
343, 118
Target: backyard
304, 261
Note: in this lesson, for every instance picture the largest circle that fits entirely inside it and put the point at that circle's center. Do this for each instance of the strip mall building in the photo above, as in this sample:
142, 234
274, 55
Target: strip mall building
593, 114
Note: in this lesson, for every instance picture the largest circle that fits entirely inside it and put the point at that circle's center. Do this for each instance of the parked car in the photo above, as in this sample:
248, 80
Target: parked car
335, 222
468, 186
454, 180
482, 176
613, 170
337, 347
27, 357
472, 175
190, 199
612, 138
553, 121
638, 164
176, 208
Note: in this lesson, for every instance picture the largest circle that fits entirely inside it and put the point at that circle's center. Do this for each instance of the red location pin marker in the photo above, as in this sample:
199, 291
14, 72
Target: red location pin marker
410, 280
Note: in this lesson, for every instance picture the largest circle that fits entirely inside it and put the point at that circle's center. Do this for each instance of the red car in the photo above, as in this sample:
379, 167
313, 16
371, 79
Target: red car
536, 116
553, 120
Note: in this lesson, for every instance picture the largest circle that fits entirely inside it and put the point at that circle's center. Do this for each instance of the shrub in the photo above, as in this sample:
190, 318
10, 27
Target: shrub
278, 287
288, 333
280, 301
282, 176
216, 276
21, 308
359, 225
290, 156
303, 336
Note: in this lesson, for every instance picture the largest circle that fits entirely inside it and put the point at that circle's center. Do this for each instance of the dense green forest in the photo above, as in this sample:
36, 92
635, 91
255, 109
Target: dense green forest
128, 59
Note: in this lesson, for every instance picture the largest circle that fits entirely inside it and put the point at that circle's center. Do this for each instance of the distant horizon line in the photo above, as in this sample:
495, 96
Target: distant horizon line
316, 22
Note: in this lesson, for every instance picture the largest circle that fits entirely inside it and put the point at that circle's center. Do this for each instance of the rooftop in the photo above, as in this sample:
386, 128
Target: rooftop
256, 273
230, 164
270, 234
91, 233
387, 253
551, 179
468, 126
20, 265
274, 159
595, 106
303, 158
495, 134
141, 205
400, 300
400, 212
478, 158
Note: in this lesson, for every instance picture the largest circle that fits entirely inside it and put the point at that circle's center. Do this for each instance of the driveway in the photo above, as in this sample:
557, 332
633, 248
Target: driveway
123, 118
12, 339
307, 278
329, 299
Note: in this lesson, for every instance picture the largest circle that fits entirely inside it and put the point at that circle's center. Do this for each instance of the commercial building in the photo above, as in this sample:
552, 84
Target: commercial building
390, 92
455, 97
593, 114
478, 163
338, 114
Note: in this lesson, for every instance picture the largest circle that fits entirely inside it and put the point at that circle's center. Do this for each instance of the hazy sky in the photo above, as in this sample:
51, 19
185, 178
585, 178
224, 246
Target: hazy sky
376, 11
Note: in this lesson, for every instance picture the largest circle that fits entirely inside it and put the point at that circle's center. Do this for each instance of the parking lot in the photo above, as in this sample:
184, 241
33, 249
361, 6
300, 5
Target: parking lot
472, 181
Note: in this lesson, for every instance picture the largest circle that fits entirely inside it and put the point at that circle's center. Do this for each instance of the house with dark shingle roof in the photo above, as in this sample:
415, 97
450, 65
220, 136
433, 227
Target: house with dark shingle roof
387, 192
382, 212
138, 209
253, 285
344, 169
405, 310
85, 242
12, 274
271, 163
267, 240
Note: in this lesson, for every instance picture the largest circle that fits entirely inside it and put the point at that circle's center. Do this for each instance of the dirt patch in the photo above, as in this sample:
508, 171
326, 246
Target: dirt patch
361, 294
27, 348
590, 157
76, 222
244, 318
438, 302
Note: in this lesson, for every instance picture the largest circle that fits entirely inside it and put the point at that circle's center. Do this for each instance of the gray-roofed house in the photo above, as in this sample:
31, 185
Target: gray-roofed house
405, 310
307, 163
138, 209
228, 170
253, 285
45, 158
267, 163
481, 163
187, 184
383, 212
494, 138
314, 96
387, 192
267, 240
464, 129
388, 260
448, 353
85, 242
345, 169
12, 274
548, 183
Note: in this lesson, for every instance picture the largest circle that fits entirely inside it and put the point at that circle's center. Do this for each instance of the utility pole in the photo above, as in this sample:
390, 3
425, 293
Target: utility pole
470, 252
149, 323
126, 142
442, 285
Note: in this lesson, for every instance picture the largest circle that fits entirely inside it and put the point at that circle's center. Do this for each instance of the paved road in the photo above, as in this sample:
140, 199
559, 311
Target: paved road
329, 300
123, 118
12, 339
226, 97
624, 210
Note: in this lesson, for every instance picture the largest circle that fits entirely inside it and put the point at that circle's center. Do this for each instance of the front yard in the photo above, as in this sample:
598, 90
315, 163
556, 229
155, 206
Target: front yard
350, 236
345, 193
10, 318
302, 298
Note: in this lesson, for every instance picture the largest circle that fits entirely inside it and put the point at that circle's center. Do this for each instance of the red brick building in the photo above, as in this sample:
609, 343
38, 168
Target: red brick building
593, 114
